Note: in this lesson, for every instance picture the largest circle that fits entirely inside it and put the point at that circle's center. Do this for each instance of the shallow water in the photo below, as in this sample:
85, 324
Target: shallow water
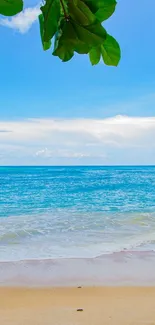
75, 212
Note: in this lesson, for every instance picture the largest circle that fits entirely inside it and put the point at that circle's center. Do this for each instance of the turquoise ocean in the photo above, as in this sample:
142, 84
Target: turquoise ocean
75, 212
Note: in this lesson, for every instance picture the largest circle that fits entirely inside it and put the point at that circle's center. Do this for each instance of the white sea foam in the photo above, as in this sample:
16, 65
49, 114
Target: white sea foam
69, 234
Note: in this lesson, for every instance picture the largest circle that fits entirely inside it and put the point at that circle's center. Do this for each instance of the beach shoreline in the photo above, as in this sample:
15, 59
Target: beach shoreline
119, 269
97, 305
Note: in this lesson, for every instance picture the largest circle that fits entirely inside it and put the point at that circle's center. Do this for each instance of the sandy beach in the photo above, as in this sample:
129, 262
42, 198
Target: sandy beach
102, 305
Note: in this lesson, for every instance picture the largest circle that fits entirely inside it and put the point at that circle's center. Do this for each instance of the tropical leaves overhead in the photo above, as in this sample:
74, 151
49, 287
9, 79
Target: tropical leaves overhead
10, 7
70, 26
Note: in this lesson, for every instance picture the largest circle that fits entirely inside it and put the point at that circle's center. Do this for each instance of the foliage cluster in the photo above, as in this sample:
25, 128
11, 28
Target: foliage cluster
71, 26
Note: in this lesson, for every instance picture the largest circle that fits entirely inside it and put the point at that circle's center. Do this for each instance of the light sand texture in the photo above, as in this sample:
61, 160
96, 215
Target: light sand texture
58, 306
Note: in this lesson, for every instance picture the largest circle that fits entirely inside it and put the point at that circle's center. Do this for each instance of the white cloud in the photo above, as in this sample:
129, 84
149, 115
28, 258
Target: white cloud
117, 140
64, 153
23, 21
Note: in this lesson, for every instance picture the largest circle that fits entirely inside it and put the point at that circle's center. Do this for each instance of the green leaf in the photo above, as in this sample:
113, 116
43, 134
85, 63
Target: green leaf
102, 9
95, 55
73, 37
110, 51
63, 47
10, 7
67, 41
106, 9
81, 47
80, 12
46, 45
64, 51
51, 14
92, 35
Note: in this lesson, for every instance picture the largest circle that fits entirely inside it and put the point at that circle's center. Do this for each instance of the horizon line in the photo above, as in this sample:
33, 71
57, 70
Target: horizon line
124, 165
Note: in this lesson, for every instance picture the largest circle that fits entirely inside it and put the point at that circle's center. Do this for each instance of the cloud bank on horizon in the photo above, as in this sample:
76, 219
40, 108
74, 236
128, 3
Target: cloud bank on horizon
110, 141
23, 21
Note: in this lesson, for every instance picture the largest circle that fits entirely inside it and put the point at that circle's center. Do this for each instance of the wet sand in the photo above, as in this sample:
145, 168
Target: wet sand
58, 306
118, 269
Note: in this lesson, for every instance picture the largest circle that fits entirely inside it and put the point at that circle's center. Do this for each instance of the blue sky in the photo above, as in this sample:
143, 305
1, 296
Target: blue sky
36, 85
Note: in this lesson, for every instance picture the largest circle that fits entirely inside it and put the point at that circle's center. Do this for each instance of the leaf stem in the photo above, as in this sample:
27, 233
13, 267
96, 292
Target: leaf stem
64, 10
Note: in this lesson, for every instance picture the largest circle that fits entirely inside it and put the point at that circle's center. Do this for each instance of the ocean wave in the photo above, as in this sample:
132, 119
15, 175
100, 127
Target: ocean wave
84, 235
